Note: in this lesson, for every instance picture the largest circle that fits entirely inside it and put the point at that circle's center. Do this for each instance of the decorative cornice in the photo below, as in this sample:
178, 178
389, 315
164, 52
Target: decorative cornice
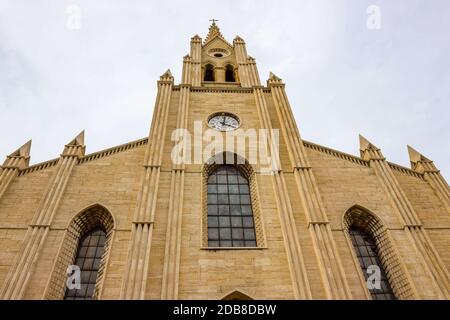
113, 150
39, 166
222, 89
358, 160
225, 89
336, 153
405, 170
88, 157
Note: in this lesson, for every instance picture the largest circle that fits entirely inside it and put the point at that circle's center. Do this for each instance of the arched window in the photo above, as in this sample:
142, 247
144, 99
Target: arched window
369, 260
230, 213
229, 74
209, 73
89, 254
86, 244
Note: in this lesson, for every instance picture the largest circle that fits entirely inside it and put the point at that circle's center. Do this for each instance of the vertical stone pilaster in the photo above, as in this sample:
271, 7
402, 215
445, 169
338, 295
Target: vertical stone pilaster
332, 272
431, 174
300, 282
408, 217
16, 161
248, 75
22, 268
171, 269
135, 278
253, 71
196, 60
186, 76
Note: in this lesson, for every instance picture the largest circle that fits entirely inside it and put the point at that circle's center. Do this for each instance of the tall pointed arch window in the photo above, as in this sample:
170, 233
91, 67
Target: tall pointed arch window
89, 254
373, 248
229, 74
209, 73
368, 256
85, 247
230, 213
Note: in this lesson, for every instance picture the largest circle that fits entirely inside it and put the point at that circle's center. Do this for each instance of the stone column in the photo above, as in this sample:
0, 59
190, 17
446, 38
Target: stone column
332, 271
135, 278
246, 72
253, 71
173, 235
196, 56
432, 175
22, 268
219, 74
186, 76
301, 287
408, 217
15, 162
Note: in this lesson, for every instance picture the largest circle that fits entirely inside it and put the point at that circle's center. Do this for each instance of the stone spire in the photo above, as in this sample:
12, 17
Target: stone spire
368, 150
214, 31
419, 162
167, 76
20, 157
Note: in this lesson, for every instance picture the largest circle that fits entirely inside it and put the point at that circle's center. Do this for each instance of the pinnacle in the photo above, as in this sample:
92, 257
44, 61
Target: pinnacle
78, 140
415, 156
273, 77
238, 39
365, 144
167, 75
23, 151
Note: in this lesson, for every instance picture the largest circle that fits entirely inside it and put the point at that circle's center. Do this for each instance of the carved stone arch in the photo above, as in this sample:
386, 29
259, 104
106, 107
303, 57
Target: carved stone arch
204, 68
249, 173
237, 295
209, 61
95, 215
230, 67
362, 218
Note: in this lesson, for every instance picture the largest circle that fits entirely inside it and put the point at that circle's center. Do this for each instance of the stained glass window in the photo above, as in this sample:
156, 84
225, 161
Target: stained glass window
367, 253
230, 214
89, 255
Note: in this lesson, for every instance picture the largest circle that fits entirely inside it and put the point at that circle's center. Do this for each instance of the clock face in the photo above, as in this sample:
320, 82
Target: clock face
223, 122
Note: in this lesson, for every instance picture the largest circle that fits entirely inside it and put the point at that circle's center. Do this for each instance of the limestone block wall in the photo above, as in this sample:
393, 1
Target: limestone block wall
110, 181
114, 180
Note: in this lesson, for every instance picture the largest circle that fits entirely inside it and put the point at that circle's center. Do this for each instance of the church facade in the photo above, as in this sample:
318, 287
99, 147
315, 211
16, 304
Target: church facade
131, 222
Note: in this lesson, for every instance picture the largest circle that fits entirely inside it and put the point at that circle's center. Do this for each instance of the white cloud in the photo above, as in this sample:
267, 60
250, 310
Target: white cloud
342, 79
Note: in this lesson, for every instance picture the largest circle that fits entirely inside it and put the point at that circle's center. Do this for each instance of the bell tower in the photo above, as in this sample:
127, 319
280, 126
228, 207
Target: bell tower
280, 218
220, 91
215, 62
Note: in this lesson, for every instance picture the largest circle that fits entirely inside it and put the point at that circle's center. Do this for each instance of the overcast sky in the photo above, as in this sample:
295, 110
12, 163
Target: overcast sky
391, 84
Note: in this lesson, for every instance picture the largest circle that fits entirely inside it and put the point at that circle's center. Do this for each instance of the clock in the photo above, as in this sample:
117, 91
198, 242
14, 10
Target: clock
223, 121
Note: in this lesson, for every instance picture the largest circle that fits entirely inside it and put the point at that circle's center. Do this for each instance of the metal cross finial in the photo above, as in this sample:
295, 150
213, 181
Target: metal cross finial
213, 20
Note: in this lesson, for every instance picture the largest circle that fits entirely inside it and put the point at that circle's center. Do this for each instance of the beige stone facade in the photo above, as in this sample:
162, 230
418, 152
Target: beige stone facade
153, 210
